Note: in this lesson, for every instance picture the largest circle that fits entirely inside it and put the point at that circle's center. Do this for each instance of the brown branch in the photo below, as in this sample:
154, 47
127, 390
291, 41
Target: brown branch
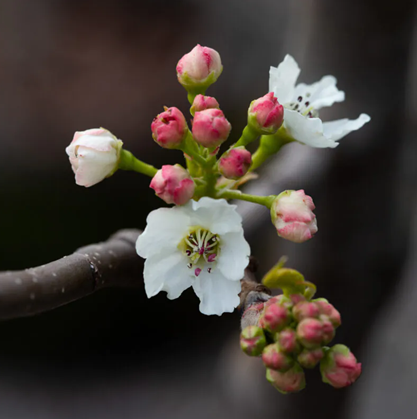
113, 263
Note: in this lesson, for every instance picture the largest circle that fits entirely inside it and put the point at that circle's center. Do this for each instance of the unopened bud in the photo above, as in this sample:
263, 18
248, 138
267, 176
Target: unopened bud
210, 128
169, 128
273, 357
201, 103
252, 340
310, 358
250, 316
173, 184
235, 163
275, 316
287, 340
304, 310
328, 310
293, 217
339, 367
199, 68
290, 381
296, 298
310, 333
265, 115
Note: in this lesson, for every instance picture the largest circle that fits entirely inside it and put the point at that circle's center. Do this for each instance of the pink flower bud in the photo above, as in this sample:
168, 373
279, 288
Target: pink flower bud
265, 114
251, 315
339, 367
235, 163
290, 381
173, 184
274, 358
275, 317
328, 330
296, 298
328, 310
252, 340
292, 215
310, 358
287, 340
304, 310
282, 300
201, 103
94, 155
169, 128
310, 333
210, 128
201, 67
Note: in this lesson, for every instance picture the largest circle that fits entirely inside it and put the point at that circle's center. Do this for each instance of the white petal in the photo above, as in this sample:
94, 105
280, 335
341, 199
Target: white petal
217, 294
322, 93
283, 78
164, 230
335, 130
215, 215
94, 166
167, 272
234, 256
306, 130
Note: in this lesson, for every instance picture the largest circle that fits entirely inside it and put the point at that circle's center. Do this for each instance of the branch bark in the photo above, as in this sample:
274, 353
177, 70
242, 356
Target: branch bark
113, 263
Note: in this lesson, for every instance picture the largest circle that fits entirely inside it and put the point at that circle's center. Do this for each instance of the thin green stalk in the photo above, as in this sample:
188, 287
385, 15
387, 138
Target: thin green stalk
128, 161
262, 200
248, 135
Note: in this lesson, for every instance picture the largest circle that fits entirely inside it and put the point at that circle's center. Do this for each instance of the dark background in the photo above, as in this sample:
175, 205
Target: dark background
69, 65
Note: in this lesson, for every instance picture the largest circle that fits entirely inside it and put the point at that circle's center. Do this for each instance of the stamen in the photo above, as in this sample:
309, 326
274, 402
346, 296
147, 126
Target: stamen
209, 270
197, 271
189, 265
211, 257
188, 252
300, 98
307, 103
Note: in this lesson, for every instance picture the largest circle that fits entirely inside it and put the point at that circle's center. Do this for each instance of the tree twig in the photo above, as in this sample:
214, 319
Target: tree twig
113, 263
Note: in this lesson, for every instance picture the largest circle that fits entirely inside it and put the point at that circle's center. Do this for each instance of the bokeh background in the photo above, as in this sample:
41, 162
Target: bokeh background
68, 65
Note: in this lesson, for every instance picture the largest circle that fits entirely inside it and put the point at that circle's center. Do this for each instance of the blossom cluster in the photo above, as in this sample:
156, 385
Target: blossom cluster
199, 242
291, 332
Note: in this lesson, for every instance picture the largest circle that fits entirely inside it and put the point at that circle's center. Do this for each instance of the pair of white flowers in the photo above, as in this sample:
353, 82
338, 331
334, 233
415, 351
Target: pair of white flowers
201, 244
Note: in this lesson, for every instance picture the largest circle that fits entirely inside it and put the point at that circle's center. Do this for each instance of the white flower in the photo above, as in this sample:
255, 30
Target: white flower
302, 102
94, 155
200, 244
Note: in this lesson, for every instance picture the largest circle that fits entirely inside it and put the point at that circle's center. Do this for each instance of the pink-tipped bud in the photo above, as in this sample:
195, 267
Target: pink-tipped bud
235, 163
290, 381
339, 367
266, 114
328, 330
310, 358
293, 217
173, 184
282, 300
310, 333
274, 358
252, 340
328, 310
275, 317
199, 68
201, 103
296, 298
169, 128
287, 340
211, 128
304, 310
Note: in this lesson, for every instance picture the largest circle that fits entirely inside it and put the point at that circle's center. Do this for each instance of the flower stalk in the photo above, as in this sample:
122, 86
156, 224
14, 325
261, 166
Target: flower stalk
128, 161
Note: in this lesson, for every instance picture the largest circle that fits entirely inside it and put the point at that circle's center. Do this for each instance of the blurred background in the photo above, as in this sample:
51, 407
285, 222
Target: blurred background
68, 65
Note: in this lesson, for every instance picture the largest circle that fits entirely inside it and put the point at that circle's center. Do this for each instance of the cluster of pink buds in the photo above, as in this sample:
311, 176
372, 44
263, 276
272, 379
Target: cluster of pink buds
292, 333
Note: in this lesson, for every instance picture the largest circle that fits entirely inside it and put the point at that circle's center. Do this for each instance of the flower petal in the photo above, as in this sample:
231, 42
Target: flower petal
164, 230
217, 295
234, 255
216, 215
93, 165
282, 79
335, 130
320, 94
167, 272
306, 130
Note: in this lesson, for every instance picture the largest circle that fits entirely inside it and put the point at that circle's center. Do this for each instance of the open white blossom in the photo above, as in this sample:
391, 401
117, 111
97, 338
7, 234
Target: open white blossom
302, 102
200, 244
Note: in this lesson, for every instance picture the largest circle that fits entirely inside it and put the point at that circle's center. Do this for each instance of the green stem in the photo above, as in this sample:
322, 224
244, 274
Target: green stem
262, 200
248, 135
128, 161
189, 147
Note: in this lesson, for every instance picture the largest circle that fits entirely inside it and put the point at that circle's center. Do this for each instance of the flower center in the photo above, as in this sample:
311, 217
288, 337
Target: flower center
302, 105
201, 247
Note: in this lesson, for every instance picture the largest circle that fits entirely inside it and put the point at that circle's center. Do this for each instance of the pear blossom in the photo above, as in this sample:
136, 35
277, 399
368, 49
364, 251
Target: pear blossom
94, 155
199, 245
301, 105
